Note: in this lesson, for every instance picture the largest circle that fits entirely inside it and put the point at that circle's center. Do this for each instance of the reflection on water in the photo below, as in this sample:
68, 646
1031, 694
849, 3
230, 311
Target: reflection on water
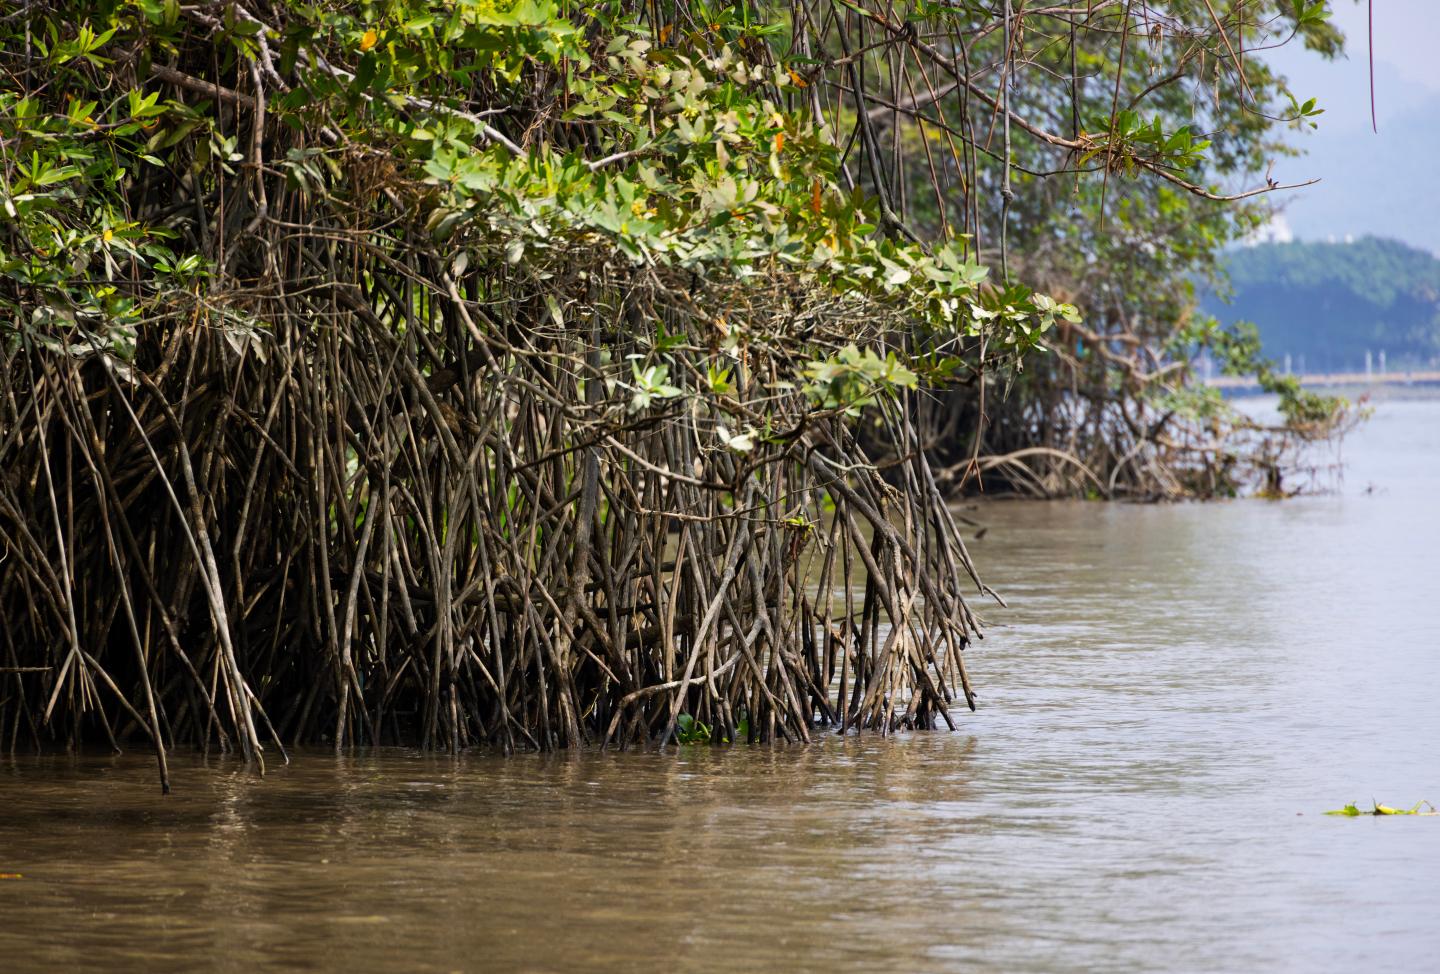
1175, 696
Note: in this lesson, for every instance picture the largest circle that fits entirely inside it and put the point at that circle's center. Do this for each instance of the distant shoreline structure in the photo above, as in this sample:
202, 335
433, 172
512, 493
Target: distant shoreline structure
1335, 380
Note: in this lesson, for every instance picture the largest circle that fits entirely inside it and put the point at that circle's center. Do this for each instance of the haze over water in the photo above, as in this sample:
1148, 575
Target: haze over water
1175, 697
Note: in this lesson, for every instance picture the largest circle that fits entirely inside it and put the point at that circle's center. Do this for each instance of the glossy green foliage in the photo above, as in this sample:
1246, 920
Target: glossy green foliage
689, 153
688, 730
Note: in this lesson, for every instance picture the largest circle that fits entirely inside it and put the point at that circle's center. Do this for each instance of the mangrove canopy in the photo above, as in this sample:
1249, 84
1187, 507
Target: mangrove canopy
455, 372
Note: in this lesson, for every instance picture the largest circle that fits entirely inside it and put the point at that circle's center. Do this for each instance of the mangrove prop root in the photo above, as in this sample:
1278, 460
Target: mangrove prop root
355, 536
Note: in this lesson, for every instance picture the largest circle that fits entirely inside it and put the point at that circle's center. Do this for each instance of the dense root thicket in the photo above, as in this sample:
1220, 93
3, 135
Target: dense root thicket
438, 534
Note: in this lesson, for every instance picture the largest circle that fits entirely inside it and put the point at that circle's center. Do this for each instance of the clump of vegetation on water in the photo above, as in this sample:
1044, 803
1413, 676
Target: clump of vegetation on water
688, 730
1352, 810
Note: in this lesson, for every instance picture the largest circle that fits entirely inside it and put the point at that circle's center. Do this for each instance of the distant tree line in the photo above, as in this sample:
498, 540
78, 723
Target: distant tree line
1328, 304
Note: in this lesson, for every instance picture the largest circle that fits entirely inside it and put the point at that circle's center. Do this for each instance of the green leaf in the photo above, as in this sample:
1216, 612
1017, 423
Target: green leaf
511, 13
59, 175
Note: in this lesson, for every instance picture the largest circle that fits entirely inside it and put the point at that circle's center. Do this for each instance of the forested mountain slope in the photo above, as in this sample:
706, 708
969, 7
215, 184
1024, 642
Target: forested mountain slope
1330, 303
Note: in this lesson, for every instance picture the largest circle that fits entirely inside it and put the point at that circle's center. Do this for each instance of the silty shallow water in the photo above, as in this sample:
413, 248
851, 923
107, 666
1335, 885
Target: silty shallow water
1175, 697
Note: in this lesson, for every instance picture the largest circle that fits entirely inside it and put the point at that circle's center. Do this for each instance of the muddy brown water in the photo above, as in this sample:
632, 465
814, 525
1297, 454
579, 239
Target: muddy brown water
1175, 697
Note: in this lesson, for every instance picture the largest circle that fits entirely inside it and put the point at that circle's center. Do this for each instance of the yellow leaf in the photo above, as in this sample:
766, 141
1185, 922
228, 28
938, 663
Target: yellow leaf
369, 40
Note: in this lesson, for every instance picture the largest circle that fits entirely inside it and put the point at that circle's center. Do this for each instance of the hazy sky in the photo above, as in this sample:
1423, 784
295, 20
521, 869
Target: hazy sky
1371, 183
1407, 61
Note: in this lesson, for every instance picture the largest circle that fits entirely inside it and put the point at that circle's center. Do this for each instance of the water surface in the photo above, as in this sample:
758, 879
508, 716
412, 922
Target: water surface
1175, 696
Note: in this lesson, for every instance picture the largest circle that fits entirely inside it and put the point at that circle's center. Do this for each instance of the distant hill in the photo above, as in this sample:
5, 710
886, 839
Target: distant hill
1327, 304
